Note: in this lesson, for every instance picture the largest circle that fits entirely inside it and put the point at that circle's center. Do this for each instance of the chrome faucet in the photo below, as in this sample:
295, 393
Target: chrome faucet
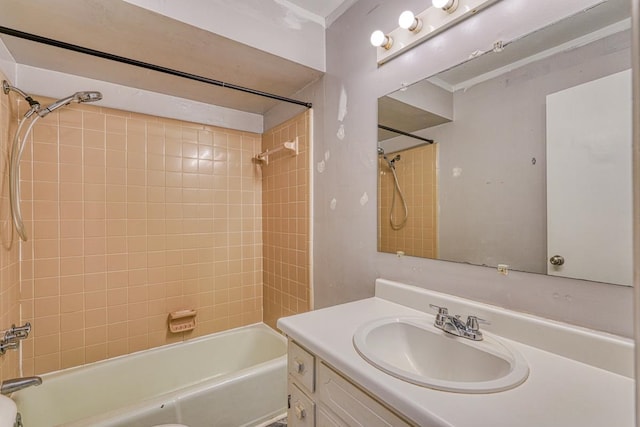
9, 386
454, 326
11, 338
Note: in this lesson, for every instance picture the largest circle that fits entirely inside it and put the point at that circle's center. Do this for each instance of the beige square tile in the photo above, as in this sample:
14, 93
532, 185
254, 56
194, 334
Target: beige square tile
157, 231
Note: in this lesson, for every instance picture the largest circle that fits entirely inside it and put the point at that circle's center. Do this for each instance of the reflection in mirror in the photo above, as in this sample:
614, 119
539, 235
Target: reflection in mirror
531, 165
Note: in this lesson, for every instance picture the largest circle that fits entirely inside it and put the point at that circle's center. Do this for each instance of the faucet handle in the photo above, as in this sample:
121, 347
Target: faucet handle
441, 310
442, 315
7, 345
473, 323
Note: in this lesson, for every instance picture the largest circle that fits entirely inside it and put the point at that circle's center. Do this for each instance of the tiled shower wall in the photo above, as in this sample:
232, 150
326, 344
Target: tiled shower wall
416, 172
286, 221
9, 249
130, 217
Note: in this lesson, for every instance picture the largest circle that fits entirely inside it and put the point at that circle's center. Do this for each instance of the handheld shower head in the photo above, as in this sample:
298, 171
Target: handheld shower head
78, 97
88, 96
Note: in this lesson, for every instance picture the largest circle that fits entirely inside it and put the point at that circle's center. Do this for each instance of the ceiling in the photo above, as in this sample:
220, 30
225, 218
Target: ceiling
122, 29
326, 9
322, 8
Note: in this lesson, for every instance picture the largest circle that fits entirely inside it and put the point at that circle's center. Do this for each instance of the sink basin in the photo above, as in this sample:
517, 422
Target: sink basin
413, 350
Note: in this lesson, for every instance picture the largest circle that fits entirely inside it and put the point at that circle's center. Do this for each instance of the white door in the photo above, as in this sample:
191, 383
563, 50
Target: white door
589, 207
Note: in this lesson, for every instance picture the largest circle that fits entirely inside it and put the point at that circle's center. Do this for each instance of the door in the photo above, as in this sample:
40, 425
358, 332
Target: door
589, 206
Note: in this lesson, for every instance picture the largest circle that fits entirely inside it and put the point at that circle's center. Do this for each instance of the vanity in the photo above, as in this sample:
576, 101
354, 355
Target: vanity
557, 374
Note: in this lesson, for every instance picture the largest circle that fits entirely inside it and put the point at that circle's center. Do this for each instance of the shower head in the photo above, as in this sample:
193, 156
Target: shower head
78, 97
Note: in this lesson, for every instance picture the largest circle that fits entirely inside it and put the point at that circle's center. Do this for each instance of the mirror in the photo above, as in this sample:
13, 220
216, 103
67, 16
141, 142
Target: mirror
531, 165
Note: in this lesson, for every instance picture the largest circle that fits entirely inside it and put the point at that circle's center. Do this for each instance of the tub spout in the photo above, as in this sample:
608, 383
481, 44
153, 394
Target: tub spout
15, 384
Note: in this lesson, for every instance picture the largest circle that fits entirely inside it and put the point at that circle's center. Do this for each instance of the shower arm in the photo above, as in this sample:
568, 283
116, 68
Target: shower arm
35, 105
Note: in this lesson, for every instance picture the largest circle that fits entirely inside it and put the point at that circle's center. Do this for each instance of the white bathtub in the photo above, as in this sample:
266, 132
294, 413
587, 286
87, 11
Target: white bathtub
233, 378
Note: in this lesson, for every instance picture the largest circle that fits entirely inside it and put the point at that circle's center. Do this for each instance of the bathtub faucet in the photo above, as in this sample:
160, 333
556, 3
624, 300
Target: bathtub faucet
9, 386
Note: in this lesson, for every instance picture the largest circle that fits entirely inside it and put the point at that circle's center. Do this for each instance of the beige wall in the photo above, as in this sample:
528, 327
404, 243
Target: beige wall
285, 204
130, 217
9, 249
416, 171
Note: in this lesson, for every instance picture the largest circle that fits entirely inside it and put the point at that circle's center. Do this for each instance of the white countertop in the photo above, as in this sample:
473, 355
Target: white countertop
559, 391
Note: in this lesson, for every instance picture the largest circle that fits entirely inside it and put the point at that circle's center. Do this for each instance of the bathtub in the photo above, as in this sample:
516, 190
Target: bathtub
232, 378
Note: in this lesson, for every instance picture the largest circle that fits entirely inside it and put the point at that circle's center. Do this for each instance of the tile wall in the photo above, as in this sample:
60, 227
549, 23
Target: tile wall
416, 172
130, 217
286, 221
9, 247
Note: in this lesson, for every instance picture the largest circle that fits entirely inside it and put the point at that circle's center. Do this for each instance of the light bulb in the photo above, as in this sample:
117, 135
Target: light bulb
446, 5
380, 39
408, 21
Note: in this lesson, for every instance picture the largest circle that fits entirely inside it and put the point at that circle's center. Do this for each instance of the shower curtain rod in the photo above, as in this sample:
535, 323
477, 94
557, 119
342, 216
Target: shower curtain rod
129, 61
401, 132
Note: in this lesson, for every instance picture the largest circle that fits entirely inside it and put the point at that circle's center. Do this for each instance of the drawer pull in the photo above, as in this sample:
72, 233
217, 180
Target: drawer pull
299, 365
300, 411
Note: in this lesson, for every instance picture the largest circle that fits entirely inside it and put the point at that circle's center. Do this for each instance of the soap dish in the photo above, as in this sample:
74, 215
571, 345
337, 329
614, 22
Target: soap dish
182, 321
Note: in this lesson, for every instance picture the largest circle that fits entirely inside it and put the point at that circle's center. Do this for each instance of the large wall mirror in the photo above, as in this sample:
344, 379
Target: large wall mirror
530, 165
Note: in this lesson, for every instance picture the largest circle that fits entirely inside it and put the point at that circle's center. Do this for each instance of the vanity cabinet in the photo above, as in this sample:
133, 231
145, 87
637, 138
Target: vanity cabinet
322, 397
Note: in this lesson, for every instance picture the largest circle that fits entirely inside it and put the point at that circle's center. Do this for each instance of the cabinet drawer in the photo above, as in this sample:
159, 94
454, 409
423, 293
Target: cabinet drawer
301, 366
302, 411
350, 404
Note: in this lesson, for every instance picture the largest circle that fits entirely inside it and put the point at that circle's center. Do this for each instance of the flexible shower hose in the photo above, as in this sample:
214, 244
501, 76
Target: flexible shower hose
14, 173
396, 188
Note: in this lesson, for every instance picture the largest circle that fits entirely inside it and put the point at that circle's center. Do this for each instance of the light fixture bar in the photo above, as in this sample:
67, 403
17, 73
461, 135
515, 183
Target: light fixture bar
434, 20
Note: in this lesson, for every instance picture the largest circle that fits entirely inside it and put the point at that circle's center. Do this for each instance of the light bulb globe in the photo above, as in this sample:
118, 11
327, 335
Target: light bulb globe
448, 6
378, 38
406, 19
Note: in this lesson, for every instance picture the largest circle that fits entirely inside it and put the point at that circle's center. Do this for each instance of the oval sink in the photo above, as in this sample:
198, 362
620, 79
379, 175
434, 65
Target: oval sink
413, 350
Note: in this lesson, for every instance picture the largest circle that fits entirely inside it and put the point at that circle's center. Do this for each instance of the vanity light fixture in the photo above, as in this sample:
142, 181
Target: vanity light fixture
424, 25
408, 21
448, 6
380, 39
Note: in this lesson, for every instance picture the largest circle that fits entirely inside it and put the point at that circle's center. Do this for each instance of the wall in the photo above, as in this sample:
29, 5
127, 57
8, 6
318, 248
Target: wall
130, 217
345, 259
7, 64
9, 247
286, 221
416, 171
635, 49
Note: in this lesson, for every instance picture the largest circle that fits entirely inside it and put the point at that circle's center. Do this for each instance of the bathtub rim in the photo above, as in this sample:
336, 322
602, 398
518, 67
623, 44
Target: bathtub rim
257, 325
